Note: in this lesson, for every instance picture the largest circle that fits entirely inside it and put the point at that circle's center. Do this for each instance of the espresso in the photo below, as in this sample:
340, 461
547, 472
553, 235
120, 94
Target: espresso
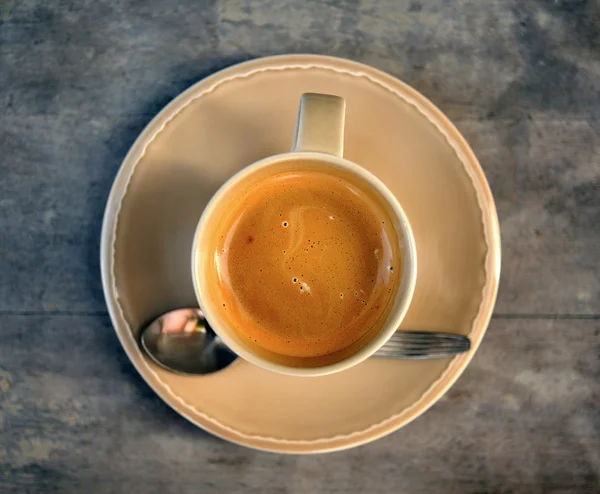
307, 264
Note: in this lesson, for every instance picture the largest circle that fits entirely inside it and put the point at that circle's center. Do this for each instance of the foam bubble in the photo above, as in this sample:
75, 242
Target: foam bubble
304, 287
285, 224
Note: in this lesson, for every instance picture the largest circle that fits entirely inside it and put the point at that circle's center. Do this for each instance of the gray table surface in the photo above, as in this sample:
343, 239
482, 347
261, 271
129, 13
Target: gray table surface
78, 82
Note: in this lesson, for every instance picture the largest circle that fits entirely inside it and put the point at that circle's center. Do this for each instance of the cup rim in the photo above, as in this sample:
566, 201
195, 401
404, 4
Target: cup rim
405, 290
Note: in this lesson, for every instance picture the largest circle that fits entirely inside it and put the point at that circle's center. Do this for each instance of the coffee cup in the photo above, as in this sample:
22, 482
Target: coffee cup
304, 263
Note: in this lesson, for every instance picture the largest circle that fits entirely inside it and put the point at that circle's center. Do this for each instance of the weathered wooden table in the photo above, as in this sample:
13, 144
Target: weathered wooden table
78, 82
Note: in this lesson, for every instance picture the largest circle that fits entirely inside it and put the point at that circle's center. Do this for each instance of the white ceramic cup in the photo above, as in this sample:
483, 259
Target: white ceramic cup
319, 140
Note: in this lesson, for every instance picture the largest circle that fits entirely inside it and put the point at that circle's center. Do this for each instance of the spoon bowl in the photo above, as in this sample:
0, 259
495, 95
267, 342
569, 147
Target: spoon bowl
181, 341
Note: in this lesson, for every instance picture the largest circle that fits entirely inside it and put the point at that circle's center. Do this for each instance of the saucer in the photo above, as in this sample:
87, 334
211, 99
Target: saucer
245, 113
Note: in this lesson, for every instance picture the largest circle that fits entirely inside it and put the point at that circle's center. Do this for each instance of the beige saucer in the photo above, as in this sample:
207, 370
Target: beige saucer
245, 113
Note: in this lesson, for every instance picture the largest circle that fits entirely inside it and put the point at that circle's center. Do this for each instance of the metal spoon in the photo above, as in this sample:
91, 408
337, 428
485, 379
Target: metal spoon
181, 341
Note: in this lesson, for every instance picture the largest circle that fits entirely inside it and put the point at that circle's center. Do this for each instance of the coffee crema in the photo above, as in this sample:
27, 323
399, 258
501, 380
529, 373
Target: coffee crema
307, 264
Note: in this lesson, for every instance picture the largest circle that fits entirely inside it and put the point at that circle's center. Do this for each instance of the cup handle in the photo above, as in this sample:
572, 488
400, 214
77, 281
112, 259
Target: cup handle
320, 126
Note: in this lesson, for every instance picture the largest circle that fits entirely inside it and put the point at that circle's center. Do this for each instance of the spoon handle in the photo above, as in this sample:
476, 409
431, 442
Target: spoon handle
423, 345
